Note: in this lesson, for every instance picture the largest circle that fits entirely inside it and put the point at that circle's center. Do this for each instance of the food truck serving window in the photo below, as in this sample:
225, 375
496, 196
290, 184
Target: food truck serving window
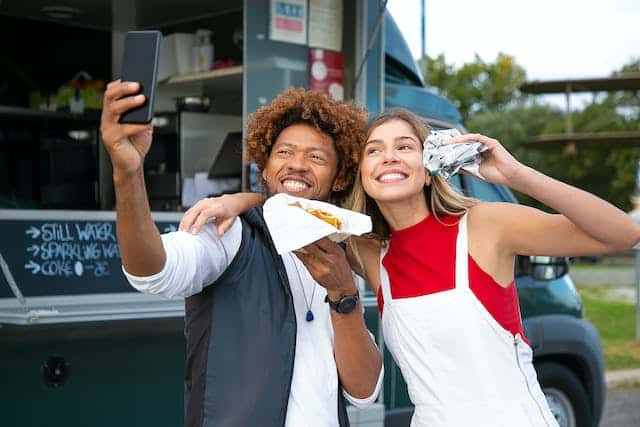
47, 164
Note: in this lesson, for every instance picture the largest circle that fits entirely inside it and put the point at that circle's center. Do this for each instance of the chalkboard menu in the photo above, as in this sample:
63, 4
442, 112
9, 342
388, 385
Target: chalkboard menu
63, 257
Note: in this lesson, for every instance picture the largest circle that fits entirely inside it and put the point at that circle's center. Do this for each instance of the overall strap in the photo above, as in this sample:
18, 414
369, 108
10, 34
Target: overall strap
384, 277
462, 255
343, 416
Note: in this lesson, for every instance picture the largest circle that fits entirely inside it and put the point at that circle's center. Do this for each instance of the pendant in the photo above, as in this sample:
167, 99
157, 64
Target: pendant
309, 316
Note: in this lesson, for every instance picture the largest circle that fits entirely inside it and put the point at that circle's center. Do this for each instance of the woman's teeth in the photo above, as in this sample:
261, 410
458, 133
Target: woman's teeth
391, 177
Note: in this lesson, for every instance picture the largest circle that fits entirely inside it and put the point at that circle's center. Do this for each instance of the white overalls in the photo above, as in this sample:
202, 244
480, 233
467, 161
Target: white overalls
462, 368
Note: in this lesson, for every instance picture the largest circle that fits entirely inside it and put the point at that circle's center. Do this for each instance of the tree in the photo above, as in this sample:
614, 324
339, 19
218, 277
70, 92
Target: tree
477, 86
607, 171
490, 102
628, 103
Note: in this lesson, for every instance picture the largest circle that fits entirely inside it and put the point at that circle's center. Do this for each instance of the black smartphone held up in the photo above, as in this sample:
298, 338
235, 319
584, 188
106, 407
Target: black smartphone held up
140, 64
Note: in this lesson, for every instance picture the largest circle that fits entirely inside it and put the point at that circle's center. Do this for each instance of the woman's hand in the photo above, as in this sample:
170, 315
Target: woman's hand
328, 265
222, 210
498, 165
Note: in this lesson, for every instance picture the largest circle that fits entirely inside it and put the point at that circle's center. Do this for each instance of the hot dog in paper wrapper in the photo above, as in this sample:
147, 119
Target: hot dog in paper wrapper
295, 222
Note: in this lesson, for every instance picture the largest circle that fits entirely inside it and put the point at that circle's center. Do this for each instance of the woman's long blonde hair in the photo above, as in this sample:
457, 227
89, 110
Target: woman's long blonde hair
441, 198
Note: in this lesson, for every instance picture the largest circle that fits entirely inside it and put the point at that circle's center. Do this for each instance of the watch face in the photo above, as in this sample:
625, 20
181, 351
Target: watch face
347, 304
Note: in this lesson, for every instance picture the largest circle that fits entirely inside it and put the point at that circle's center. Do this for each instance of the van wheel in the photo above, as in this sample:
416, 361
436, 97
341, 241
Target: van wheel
567, 399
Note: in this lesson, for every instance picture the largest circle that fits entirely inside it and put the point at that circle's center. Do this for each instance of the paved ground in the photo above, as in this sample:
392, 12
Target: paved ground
622, 409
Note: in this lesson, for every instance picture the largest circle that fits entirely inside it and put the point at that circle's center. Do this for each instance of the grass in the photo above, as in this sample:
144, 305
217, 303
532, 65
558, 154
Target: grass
615, 320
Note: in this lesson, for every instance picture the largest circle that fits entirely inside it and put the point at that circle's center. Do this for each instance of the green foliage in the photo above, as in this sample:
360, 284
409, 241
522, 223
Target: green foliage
489, 100
615, 321
477, 86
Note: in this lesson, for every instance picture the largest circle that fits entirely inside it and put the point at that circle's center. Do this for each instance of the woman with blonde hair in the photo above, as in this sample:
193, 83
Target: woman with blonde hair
442, 266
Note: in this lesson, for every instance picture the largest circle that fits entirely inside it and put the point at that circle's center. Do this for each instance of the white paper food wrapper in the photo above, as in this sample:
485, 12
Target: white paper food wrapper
447, 159
292, 227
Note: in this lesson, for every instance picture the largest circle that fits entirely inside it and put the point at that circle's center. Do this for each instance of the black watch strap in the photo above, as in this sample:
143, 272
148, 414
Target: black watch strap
344, 305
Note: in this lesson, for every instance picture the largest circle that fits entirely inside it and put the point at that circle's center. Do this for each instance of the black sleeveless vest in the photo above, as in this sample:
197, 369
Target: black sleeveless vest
241, 337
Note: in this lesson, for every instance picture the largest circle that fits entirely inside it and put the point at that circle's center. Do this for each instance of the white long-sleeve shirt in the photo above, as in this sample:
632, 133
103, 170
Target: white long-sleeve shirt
194, 261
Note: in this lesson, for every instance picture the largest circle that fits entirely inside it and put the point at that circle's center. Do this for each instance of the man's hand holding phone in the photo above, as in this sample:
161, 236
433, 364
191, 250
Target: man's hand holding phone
128, 103
127, 144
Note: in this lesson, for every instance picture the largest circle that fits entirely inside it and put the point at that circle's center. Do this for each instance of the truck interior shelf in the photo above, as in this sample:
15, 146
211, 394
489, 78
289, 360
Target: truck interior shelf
224, 78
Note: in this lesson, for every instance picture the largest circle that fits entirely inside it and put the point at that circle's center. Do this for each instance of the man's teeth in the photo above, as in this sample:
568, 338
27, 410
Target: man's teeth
295, 185
391, 177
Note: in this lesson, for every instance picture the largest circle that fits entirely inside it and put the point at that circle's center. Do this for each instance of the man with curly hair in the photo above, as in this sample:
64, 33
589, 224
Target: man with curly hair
270, 339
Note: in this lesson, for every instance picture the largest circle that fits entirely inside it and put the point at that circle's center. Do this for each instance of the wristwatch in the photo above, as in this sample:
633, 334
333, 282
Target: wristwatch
344, 305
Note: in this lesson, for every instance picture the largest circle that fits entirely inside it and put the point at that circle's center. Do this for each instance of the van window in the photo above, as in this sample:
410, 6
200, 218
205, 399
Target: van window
483, 190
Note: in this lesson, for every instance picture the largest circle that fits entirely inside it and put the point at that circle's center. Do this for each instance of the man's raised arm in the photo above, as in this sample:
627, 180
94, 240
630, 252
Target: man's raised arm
141, 248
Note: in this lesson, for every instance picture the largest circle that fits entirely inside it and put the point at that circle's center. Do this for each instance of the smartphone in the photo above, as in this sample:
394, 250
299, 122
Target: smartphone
140, 64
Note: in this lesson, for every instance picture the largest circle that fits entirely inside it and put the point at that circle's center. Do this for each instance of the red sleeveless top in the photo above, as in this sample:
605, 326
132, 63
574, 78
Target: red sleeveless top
421, 261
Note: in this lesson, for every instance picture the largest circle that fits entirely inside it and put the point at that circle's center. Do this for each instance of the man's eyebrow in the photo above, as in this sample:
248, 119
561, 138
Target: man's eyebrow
312, 148
286, 144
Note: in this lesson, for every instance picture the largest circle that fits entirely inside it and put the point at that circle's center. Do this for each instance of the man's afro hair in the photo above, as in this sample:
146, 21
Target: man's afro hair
344, 122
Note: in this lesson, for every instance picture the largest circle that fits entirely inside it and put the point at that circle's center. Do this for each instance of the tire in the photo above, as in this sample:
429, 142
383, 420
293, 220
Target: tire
565, 395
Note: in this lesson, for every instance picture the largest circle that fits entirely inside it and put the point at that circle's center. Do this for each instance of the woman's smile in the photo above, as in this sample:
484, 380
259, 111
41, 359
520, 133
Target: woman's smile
392, 177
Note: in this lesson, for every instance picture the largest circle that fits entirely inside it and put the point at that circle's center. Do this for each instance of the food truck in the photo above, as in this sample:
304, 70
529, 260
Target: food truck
79, 345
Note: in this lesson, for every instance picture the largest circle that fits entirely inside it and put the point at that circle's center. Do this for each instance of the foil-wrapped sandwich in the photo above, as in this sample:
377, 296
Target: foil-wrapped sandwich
445, 160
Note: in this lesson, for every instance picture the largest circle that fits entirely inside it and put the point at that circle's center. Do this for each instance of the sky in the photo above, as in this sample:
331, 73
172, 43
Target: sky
550, 39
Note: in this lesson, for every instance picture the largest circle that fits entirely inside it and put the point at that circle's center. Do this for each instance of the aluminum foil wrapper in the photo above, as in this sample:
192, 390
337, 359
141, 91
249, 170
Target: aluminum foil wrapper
445, 160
